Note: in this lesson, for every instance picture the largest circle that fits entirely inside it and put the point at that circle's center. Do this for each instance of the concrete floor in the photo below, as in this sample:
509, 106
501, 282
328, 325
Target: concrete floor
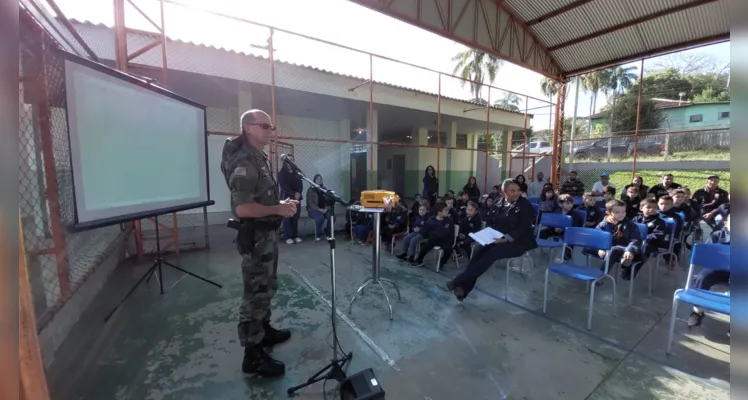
183, 345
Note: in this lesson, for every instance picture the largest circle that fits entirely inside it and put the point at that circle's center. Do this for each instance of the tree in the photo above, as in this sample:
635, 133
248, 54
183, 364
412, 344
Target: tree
710, 95
666, 84
475, 66
716, 83
625, 119
687, 64
510, 102
595, 82
620, 80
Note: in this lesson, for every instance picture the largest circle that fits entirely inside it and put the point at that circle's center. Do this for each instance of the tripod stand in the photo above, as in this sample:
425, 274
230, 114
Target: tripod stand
335, 369
156, 268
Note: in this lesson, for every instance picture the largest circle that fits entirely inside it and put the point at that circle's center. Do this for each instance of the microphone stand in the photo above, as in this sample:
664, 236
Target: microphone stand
335, 369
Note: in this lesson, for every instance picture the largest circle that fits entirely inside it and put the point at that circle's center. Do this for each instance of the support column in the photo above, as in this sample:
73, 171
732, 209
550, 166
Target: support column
244, 102
452, 161
345, 160
505, 145
373, 153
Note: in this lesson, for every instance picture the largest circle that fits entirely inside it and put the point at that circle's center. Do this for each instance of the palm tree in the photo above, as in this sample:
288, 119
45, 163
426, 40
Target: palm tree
549, 87
510, 101
595, 82
475, 66
620, 80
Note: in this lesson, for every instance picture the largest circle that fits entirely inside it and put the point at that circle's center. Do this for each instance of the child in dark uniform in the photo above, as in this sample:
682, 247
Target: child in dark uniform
655, 228
469, 223
411, 240
438, 231
632, 200
626, 239
594, 215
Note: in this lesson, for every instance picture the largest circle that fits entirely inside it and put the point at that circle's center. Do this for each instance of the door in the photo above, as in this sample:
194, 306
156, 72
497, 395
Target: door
398, 175
358, 174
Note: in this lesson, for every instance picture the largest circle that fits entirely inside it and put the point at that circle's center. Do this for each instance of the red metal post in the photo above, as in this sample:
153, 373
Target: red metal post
120, 38
438, 128
524, 133
558, 134
163, 47
488, 139
372, 184
50, 174
638, 117
274, 142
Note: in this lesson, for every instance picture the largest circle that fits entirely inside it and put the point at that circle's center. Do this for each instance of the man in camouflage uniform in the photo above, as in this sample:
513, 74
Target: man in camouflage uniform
255, 202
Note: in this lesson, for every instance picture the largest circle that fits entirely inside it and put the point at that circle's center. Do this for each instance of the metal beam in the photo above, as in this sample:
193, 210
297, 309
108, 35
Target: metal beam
633, 22
557, 12
723, 37
485, 25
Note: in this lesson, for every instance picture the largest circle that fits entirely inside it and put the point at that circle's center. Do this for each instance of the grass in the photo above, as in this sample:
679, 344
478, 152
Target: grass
692, 179
697, 155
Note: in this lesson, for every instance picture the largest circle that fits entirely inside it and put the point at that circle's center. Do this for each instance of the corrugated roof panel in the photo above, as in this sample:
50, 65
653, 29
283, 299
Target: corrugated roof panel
536, 8
579, 55
642, 8
584, 20
692, 24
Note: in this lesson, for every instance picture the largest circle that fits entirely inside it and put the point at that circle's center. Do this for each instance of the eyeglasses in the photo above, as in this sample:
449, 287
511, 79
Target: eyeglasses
264, 126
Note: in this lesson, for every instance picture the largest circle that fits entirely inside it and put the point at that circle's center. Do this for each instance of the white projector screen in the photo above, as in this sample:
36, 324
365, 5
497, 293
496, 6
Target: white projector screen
136, 150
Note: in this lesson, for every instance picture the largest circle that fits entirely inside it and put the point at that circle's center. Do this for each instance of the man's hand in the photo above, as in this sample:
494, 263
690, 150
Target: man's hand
559, 230
501, 240
628, 255
601, 253
297, 196
416, 229
287, 208
392, 226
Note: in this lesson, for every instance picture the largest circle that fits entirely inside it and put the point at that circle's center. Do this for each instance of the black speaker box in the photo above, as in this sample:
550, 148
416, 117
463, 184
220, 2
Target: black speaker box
362, 386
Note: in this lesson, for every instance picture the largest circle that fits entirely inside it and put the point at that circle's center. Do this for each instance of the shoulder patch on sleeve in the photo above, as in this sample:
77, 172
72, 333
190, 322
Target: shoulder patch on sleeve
240, 171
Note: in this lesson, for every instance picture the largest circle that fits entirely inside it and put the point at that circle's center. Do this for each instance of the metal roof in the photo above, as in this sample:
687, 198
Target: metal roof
561, 38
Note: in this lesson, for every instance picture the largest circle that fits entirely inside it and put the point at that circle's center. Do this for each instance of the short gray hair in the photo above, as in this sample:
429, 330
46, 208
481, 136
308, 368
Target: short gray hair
506, 183
249, 117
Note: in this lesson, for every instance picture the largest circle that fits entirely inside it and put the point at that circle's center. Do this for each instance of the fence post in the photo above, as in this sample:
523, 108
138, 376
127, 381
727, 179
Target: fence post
638, 118
50, 172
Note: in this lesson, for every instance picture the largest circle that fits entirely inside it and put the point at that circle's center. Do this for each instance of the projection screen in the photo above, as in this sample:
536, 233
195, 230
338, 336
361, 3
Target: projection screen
136, 150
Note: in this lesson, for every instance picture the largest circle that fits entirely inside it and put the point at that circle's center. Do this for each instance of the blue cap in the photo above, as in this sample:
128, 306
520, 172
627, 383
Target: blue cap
604, 175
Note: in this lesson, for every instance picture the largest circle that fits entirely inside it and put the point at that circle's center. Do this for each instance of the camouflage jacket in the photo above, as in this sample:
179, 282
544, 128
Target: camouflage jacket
248, 175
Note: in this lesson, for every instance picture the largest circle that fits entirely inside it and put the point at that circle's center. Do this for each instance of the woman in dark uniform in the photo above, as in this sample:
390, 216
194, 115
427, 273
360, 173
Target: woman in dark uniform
513, 216
430, 185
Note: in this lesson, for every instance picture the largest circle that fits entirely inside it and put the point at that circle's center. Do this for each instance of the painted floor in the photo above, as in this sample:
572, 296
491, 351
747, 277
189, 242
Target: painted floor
183, 344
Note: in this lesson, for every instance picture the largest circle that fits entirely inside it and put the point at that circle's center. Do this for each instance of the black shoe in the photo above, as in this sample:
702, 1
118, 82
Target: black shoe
459, 293
450, 286
626, 273
416, 263
411, 259
695, 319
403, 256
257, 361
274, 336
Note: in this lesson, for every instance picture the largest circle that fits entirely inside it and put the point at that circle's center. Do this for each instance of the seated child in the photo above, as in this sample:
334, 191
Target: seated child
469, 223
461, 204
589, 205
453, 215
548, 201
626, 239
680, 204
707, 278
411, 240
394, 222
665, 203
362, 227
631, 199
566, 205
655, 227
609, 193
487, 205
495, 192
414, 208
438, 231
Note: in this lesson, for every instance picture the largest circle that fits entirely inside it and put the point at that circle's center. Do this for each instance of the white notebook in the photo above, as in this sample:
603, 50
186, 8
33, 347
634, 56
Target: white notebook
486, 236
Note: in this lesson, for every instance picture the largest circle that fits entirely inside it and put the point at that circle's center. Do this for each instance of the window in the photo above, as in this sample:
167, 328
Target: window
724, 115
545, 144
461, 141
432, 140
696, 118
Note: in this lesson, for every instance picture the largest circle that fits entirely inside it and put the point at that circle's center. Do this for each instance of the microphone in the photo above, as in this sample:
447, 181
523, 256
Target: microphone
288, 161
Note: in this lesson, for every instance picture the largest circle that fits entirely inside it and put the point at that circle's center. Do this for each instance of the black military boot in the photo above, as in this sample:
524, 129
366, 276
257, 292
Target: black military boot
274, 336
257, 361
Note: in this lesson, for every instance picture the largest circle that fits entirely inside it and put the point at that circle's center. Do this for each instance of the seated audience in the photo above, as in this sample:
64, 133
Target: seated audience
469, 223
594, 215
609, 193
665, 203
513, 218
461, 203
453, 214
362, 227
486, 208
655, 228
572, 185
661, 189
472, 190
708, 278
548, 200
626, 239
495, 192
566, 205
316, 206
411, 240
438, 231
394, 222
632, 201
638, 183
709, 198
414, 207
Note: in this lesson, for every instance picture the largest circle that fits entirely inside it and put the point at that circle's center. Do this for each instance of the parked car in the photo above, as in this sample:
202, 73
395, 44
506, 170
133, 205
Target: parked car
619, 148
536, 146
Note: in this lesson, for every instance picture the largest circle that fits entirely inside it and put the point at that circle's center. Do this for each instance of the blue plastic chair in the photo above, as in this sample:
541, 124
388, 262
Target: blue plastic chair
577, 200
706, 255
534, 200
643, 232
592, 239
582, 215
670, 229
536, 211
552, 220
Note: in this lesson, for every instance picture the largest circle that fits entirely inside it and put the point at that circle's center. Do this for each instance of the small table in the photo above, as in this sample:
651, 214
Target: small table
375, 279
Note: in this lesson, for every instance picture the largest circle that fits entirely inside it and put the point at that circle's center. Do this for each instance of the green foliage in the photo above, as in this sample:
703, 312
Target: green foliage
709, 95
475, 67
709, 87
624, 121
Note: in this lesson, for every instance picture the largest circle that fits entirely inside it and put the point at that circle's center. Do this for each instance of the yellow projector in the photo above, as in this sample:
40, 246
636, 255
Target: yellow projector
379, 198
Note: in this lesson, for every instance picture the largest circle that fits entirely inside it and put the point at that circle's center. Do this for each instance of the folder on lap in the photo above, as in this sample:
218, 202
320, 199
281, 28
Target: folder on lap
486, 236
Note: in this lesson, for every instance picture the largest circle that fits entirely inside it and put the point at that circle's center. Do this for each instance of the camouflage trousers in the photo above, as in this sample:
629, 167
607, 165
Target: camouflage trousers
260, 276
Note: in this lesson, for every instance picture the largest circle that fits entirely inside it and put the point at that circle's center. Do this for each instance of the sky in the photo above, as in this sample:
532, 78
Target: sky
348, 24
